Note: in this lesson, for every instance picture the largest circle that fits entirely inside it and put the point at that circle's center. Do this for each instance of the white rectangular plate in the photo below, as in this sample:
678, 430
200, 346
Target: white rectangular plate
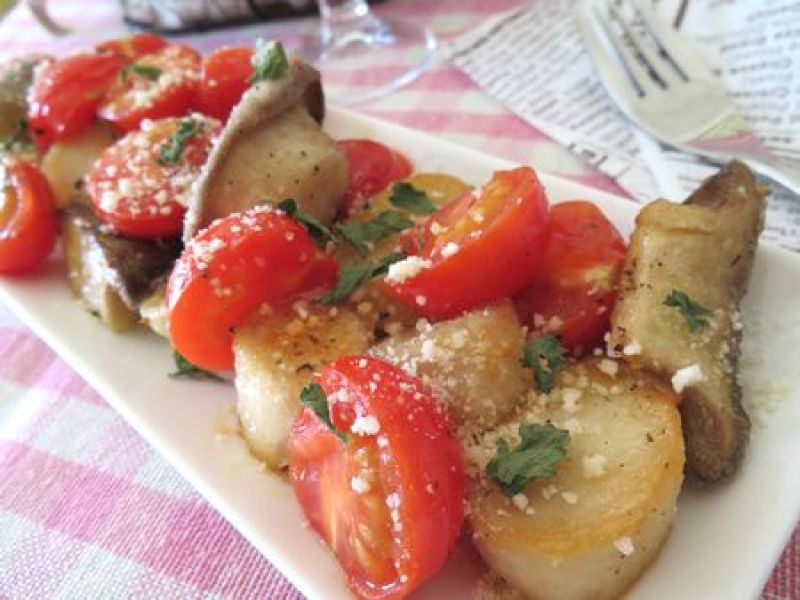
725, 541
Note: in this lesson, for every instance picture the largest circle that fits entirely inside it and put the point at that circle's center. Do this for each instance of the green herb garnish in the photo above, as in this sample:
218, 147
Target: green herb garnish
544, 356
185, 369
313, 396
151, 73
354, 275
540, 448
269, 61
319, 233
385, 224
172, 150
696, 314
18, 138
406, 196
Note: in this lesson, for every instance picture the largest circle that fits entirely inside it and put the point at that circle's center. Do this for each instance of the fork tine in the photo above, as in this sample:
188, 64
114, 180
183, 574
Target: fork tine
683, 55
619, 83
659, 68
640, 77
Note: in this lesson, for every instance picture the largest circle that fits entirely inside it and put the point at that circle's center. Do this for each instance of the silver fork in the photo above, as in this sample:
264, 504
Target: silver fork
663, 86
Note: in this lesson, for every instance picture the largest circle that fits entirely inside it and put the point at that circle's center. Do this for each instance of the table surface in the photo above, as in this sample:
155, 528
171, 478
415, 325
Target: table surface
87, 509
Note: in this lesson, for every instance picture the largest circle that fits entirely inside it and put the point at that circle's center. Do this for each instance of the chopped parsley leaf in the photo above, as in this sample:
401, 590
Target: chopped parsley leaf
173, 148
318, 232
152, 73
696, 314
187, 370
18, 138
353, 276
540, 448
269, 61
406, 196
544, 356
313, 396
382, 226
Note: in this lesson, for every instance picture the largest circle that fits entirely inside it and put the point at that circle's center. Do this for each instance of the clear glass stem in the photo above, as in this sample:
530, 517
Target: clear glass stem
350, 38
340, 18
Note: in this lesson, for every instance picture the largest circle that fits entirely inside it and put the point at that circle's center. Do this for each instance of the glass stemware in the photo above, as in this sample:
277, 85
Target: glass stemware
350, 37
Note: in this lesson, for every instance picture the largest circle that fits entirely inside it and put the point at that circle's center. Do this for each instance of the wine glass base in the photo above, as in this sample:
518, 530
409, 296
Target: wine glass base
346, 58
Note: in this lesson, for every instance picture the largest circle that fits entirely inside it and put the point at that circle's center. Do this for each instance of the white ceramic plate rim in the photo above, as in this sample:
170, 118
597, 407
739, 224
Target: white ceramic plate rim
715, 551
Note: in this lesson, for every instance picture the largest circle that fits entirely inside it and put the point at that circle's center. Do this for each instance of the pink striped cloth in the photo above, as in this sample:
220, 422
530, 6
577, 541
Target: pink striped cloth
87, 509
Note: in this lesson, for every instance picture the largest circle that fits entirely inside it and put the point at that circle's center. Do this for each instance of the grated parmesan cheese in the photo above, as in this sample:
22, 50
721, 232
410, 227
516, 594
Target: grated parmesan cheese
407, 268
608, 366
687, 377
365, 426
428, 350
594, 466
520, 501
449, 249
632, 349
359, 485
570, 397
570, 498
625, 546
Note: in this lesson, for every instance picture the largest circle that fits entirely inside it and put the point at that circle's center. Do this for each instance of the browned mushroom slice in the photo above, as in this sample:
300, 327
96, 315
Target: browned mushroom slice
703, 250
272, 148
16, 76
109, 273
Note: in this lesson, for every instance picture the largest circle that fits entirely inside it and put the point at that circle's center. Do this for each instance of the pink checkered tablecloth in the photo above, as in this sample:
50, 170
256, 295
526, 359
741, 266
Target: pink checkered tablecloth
87, 509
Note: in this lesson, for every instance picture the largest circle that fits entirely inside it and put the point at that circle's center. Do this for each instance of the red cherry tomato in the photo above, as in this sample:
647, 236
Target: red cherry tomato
224, 78
576, 289
373, 167
28, 226
138, 195
65, 95
157, 85
390, 500
131, 48
228, 270
483, 246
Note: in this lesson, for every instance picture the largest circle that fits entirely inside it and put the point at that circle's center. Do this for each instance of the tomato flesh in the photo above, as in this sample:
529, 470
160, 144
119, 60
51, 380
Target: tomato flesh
484, 246
372, 168
389, 502
28, 225
65, 94
132, 47
575, 291
140, 197
356, 526
136, 96
231, 268
224, 78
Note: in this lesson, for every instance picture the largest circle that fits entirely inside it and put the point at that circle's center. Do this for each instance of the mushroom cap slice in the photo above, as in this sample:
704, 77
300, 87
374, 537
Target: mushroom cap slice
703, 248
272, 148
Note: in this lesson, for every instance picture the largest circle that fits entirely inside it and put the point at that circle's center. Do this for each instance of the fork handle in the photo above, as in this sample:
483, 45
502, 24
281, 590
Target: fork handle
748, 148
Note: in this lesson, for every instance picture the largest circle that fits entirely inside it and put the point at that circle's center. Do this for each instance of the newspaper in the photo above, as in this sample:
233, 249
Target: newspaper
532, 60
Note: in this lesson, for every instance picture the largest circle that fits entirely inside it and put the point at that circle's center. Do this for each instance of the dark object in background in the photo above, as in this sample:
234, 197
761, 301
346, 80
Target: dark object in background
192, 15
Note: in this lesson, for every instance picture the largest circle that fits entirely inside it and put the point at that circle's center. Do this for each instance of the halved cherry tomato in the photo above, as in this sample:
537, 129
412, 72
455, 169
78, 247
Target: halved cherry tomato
390, 500
157, 85
132, 47
64, 97
228, 270
481, 247
28, 226
138, 195
224, 78
372, 168
576, 289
